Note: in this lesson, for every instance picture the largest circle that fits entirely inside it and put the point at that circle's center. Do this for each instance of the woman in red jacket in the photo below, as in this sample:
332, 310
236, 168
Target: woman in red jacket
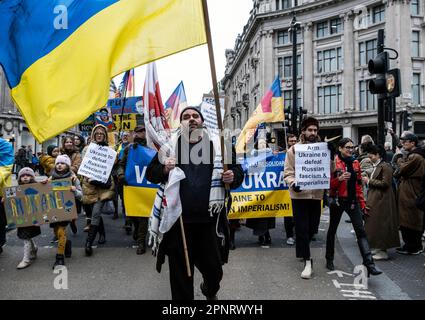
346, 194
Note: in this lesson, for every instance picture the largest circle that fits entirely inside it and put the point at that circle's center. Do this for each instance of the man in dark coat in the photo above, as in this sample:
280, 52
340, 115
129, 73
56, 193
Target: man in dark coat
205, 250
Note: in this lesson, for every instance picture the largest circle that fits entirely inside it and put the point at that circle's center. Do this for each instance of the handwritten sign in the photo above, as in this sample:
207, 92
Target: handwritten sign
36, 204
312, 166
97, 163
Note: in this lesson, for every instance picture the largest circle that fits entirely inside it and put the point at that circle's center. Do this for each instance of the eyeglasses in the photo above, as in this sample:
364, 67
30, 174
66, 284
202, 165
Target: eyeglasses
99, 134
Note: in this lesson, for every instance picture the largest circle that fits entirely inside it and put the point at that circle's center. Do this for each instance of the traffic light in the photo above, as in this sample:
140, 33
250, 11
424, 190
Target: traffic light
379, 66
387, 82
287, 123
408, 120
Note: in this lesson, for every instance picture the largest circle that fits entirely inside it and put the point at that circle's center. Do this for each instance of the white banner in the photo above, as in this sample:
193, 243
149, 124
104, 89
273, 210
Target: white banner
312, 166
97, 163
210, 115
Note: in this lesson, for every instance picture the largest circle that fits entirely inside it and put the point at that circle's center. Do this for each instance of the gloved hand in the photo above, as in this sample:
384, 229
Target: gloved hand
332, 149
122, 180
296, 188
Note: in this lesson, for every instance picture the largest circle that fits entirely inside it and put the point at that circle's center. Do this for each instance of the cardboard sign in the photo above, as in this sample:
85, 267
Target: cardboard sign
97, 163
312, 166
37, 203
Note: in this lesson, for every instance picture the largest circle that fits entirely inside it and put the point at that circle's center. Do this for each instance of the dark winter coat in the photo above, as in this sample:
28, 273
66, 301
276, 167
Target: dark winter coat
381, 224
410, 173
155, 174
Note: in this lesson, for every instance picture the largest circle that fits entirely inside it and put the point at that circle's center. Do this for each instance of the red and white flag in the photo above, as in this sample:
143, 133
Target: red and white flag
157, 128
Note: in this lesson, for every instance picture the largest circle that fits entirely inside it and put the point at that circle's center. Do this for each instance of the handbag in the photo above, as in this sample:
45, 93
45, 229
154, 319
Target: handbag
108, 207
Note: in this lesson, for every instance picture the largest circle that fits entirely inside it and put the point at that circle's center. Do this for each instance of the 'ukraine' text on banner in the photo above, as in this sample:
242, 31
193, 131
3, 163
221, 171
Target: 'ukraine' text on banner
139, 193
264, 192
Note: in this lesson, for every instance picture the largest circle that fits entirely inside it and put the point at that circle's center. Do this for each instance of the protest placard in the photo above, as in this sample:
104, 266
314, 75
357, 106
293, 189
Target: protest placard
97, 163
263, 193
312, 166
37, 203
209, 112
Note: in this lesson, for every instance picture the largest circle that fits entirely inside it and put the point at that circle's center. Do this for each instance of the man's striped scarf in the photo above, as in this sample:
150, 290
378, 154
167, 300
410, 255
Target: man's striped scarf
163, 215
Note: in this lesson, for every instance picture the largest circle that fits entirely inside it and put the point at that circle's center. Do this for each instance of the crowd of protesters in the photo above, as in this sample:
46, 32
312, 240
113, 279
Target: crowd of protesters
379, 187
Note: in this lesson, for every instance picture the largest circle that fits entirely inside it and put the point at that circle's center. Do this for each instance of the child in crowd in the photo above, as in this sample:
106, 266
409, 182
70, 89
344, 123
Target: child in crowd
26, 176
48, 161
62, 170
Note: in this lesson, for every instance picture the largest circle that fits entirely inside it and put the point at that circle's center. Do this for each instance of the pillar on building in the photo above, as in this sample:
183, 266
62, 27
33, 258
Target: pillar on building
267, 60
349, 83
398, 30
308, 65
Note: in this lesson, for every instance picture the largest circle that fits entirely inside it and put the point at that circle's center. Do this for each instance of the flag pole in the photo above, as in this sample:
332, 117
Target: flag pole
186, 254
214, 79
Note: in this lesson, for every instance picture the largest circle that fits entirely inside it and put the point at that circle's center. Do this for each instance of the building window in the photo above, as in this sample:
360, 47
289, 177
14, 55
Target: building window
329, 60
368, 101
283, 37
378, 14
330, 99
322, 29
336, 26
368, 50
415, 44
287, 98
416, 89
285, 66
414, 7
283, 4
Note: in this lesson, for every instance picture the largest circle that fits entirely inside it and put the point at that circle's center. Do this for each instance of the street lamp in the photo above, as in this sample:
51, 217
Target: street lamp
294, 26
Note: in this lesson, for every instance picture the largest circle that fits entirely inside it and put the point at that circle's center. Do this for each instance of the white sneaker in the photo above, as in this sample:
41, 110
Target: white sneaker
380, 255
375, 251
308, 270
23, 264
290, 241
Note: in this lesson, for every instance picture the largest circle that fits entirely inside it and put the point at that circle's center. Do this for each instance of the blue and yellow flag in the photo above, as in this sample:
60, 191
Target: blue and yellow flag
60, 55
6, 164
269, 110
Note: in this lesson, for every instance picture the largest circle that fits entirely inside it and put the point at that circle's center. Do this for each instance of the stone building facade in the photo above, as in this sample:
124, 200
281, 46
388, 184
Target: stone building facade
336, 39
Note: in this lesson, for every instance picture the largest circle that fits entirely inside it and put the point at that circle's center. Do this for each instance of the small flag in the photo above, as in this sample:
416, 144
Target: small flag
175, 105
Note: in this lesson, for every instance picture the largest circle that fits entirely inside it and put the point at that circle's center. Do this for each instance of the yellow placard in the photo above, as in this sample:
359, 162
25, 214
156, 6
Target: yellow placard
139, 201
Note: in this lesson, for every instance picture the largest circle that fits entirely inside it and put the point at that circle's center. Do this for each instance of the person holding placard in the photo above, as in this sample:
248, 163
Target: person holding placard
97, 193
26, 176
306, 204
346, 194
63, 170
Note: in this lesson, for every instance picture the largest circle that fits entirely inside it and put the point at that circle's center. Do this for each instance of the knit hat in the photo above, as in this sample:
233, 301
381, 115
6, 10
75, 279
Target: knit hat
26, 171
309, 121
50, 149
63, 158
191, 108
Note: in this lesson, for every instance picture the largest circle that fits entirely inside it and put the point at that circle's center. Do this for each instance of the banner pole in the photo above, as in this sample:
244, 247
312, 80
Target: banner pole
214, 79
186, 255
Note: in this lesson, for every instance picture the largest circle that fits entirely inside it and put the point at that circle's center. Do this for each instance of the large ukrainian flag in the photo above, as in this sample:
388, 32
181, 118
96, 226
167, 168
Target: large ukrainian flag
60, 76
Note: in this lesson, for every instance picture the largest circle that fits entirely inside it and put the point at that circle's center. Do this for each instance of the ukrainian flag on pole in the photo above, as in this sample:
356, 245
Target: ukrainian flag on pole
269, 110
60, 55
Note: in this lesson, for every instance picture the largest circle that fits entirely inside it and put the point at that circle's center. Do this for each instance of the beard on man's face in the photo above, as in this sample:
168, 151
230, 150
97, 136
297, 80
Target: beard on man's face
312, 138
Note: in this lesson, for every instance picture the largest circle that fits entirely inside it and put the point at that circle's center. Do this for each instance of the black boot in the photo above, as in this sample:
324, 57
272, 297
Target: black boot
142, 231
60, 261
232, 245
330, 265
206, 294
90, 239
68, 249
367, 257
74, 227
102, 234
268, 239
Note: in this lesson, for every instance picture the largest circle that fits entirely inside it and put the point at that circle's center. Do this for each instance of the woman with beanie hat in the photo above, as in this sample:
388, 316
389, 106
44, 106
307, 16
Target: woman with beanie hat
26, 176
79, 142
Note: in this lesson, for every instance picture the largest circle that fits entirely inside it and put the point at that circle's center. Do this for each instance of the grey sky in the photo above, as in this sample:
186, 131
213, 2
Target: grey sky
227, 19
